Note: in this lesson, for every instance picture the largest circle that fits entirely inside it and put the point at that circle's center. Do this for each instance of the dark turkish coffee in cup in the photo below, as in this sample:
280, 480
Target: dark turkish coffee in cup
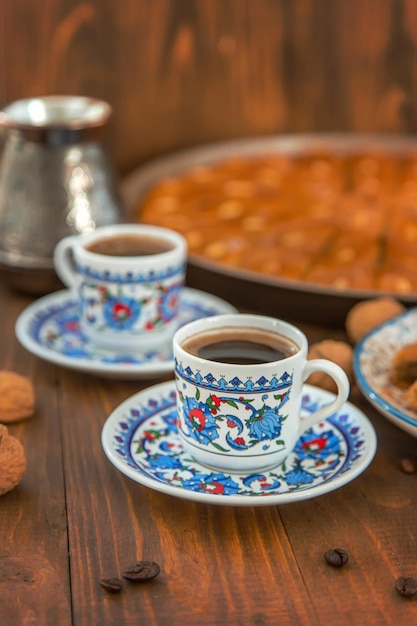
240, 345
129, 245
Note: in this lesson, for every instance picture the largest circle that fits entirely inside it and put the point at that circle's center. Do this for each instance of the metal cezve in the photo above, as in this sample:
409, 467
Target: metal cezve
56, 179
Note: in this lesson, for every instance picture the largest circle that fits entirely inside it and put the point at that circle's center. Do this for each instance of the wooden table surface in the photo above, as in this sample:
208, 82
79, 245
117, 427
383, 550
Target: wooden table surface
74, 519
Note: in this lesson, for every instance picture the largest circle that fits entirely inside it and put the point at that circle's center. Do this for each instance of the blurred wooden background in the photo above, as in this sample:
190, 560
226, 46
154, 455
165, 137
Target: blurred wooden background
184, 72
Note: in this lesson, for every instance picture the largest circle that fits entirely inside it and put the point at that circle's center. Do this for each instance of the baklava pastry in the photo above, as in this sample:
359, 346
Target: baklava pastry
343, 222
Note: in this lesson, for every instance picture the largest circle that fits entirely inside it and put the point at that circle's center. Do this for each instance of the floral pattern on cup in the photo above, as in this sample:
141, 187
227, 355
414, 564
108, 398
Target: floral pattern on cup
119, 310
262, 425
169, 302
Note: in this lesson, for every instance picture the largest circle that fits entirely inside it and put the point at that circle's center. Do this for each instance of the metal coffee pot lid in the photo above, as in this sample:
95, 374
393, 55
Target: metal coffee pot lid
56, 119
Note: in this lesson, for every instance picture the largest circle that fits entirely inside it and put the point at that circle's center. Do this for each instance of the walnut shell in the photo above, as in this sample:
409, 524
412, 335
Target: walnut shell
337, 351
17, 397
12, 461
365, 315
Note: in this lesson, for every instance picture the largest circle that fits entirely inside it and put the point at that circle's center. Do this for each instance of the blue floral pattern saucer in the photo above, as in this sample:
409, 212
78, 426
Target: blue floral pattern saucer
140, 439
50, 329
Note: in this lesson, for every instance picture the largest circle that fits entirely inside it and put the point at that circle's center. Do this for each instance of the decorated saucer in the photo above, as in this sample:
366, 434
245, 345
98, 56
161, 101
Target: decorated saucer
372, 365
50, 329
140, 439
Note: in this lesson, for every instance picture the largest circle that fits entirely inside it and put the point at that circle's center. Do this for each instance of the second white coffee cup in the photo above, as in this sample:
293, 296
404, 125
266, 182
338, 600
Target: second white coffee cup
128, 280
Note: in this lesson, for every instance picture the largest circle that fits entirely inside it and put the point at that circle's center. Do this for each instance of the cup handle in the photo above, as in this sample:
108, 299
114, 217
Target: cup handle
343, 388
63, 261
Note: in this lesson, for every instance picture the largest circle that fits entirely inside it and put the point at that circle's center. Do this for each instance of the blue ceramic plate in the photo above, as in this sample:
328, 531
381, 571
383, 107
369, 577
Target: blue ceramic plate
372, 364
50, 328
140, 439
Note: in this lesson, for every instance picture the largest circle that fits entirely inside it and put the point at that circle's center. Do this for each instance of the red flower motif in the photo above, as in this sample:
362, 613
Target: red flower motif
173, 301
121, 311
216, 401
231, 424
240, 441
72, 326
316, 444
212, 488
198, 419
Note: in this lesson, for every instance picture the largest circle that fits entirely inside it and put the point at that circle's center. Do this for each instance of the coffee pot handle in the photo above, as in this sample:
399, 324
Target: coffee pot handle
64, 261
343, 388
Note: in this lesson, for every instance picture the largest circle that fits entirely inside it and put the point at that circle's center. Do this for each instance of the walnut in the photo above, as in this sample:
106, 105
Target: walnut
337, 351
12, 461
367, 314
17, 397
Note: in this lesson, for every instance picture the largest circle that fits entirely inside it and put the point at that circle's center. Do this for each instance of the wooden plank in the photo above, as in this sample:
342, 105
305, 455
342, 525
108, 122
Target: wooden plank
34, 573
182, 74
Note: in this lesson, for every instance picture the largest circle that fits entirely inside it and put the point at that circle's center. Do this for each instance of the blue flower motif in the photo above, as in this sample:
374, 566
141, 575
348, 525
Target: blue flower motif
212, 483
74, 351
202, 425
163, 461
319, 447
170, 419
168, 303
69, 324
266, 424
298, 477
121, 312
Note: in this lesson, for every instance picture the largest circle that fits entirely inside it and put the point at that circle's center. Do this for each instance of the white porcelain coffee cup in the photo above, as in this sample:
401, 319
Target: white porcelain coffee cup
239, 381
128, 279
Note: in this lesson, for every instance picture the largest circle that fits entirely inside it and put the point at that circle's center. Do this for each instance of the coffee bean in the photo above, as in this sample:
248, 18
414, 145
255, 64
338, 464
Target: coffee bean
112, 585
336, 557
141, 571
408, 466
406, 586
